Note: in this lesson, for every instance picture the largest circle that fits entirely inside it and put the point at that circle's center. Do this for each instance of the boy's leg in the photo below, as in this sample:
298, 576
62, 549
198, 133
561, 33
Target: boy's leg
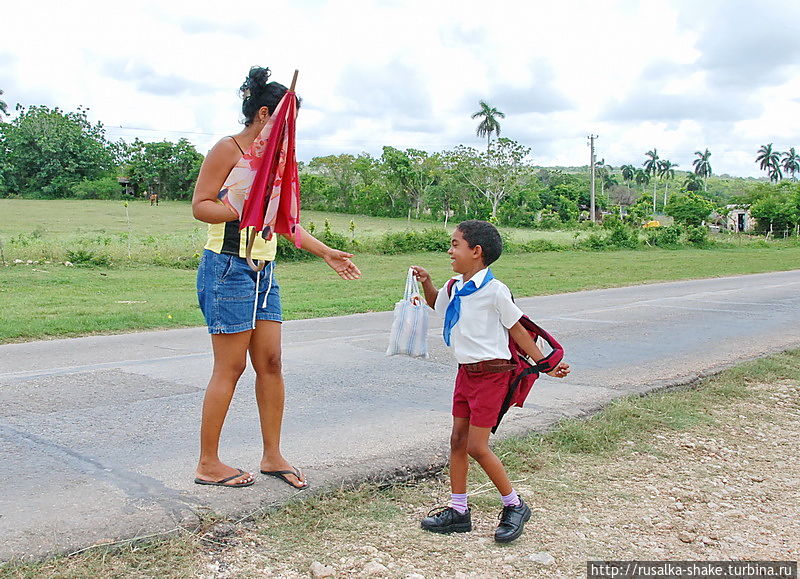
515, 512
478, 448
455, 518
459, 459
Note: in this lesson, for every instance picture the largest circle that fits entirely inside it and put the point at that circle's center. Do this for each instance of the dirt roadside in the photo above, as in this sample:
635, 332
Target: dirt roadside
725, 489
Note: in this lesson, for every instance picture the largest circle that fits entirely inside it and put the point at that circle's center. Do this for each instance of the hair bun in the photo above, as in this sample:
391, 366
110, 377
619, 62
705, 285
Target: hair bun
256, 81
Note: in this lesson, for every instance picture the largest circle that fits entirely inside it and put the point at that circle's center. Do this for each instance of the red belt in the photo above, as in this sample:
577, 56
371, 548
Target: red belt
497, 365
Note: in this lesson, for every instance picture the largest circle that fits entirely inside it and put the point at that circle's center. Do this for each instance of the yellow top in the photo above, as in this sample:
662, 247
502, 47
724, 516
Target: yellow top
226, 238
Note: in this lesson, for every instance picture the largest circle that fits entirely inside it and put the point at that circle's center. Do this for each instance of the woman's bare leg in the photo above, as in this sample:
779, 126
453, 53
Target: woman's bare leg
230, 358
265, 355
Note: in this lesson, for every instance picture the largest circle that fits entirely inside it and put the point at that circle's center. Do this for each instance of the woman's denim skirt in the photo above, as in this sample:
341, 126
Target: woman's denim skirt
232, 296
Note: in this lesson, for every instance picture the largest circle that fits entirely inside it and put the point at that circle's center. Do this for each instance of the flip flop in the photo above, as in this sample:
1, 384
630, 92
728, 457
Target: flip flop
221, 483
281, 474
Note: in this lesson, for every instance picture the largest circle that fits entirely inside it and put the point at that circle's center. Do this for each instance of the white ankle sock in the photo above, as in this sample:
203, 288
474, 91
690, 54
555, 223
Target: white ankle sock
459, 502
511, 499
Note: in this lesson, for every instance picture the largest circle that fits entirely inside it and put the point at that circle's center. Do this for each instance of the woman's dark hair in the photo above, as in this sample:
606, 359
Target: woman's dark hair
485, 234
257, 92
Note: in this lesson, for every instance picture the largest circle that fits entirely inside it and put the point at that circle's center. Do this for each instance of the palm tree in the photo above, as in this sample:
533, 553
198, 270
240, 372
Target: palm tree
770, 161
628, 171
791, 162
666, 170
702, 167
651, 168
489, 124
3, 105
692, 182
642, 178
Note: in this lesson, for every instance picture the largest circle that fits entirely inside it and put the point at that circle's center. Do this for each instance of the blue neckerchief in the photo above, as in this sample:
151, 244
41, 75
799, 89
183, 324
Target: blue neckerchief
453, 312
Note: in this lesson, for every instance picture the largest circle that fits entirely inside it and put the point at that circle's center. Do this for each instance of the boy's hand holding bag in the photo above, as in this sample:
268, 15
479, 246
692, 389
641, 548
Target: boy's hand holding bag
410, 326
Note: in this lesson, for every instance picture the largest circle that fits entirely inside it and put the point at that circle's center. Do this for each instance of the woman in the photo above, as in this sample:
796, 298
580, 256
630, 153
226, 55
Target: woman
242, 308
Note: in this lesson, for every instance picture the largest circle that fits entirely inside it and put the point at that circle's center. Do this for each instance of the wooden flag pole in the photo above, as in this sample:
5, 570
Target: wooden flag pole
294, 80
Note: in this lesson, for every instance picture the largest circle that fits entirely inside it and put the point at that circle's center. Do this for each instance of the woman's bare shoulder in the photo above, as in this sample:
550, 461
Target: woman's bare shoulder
225, 146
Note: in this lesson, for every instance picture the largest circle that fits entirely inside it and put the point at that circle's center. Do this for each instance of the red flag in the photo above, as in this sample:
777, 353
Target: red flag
273, 204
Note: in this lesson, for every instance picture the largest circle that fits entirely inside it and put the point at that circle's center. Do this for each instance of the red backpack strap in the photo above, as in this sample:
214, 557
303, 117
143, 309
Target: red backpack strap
549, 362
450, 283
525, 375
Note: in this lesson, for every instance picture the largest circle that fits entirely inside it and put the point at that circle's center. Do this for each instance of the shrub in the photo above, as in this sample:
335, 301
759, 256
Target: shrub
666, 237
177, 262
537, 245
103, 188
287, 251
593, 242
550, 221
623, 238
410, 241
87, 257
611, 221
332, 239
697, 235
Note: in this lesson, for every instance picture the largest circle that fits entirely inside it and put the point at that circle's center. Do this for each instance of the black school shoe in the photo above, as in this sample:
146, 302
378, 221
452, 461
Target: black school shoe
512, 521
447, 520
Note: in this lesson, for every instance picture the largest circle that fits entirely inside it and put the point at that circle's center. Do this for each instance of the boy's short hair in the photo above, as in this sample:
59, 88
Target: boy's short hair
485, 234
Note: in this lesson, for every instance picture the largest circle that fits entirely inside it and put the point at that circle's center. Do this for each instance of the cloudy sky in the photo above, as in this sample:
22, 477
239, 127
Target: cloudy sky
674, 75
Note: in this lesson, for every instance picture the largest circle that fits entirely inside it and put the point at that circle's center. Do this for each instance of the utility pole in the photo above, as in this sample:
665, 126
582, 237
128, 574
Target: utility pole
592, 160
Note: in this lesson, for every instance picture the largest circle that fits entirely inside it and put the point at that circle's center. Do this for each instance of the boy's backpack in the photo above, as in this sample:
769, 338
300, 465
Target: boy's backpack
526, 371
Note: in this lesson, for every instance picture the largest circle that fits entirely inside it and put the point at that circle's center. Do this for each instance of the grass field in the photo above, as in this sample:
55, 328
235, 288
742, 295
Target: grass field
48, 230
46, 300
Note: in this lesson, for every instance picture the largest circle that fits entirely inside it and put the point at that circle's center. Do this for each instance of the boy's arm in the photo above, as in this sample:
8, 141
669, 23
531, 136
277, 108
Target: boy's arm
428, 288
523, 339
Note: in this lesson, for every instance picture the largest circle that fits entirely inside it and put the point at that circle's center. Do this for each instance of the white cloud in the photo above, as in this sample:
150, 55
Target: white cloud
679, 76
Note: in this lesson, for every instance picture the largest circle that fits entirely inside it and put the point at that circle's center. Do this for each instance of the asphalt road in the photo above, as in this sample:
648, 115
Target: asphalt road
98, 435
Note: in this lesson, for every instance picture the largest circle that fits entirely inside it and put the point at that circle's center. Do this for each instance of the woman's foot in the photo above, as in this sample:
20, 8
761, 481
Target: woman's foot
281, 469
217, 473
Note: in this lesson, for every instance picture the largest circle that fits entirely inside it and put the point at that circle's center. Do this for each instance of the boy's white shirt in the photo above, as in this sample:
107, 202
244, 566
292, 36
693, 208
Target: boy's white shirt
482, 329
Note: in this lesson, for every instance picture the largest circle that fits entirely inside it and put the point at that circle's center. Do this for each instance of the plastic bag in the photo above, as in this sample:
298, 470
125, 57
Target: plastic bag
409, 335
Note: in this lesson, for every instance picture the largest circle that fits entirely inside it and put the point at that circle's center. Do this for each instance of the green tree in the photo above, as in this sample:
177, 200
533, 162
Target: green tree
641, 178
769, 161
689, 208
45, 152
411, 173
702, 166
791, 162
641, 211
489, 123
666, 170
628, 172
340, 171
775, 212
651, 168
502, 170
692, 182
169, 169
3, 105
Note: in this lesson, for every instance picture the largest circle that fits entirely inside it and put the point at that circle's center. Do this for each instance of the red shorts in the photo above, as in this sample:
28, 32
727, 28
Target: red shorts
479, 396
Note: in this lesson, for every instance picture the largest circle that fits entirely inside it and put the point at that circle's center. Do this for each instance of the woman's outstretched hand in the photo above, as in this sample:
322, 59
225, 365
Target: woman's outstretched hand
341, 264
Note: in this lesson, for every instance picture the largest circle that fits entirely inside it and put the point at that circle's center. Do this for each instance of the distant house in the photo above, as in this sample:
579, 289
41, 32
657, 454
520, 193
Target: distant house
127, 187
738, 218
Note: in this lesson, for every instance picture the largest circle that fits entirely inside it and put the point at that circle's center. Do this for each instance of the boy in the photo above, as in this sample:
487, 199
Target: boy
479, 317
